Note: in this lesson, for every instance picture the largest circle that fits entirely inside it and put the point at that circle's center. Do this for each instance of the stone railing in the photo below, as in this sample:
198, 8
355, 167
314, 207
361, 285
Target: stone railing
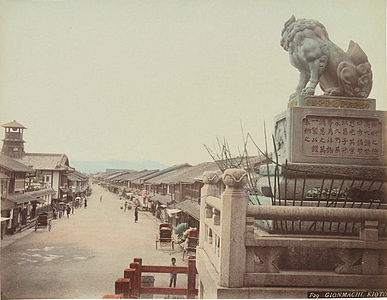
244, 255
316, 260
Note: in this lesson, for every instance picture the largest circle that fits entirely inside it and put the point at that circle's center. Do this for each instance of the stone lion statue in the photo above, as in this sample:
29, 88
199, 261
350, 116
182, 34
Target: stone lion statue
319, 60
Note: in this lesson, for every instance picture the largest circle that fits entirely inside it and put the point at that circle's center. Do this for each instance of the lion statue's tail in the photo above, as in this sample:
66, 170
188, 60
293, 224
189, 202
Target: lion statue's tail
355, 74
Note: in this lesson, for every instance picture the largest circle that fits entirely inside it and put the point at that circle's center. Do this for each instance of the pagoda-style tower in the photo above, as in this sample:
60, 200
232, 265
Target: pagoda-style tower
13, 143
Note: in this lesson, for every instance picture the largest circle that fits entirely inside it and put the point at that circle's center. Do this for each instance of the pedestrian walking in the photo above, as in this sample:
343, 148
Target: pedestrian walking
68, 210
85, 202
125, 205
100, 199
173, 275
136, 214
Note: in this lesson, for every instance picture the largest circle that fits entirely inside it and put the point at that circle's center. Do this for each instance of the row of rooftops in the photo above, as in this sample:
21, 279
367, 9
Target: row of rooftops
184, 173
77, 176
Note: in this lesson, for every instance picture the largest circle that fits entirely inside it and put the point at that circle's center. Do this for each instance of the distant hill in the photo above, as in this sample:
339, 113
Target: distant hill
101, 166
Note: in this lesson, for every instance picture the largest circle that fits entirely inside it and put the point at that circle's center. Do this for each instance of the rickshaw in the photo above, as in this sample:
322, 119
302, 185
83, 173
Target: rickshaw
164, 237
43, 221
191, 243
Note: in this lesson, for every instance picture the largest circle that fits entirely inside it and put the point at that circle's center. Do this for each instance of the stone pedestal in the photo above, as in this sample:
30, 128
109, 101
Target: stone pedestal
319, 130
332, 151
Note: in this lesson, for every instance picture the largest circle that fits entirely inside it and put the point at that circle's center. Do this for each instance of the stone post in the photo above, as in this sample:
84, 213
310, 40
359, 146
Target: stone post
233, 227
370, 260
210, 180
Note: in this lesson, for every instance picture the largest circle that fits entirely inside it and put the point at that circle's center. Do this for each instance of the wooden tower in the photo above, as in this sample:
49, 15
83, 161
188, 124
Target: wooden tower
13, 143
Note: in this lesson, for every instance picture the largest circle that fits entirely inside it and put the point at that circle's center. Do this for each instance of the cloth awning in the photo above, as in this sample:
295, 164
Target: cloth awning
20, 198
4, 219
162, 199
80, 189
172, 211
42, 192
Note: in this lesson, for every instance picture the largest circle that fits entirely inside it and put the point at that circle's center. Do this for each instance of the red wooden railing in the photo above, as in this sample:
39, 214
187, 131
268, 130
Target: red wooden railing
130, 285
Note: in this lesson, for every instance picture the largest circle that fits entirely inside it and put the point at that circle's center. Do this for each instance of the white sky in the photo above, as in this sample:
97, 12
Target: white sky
155, 80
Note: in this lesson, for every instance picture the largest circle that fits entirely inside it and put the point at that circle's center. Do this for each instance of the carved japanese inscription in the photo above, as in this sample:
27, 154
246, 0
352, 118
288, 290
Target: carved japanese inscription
342, 137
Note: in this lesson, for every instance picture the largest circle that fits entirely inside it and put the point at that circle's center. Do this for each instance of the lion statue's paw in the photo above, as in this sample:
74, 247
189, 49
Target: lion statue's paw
307, 91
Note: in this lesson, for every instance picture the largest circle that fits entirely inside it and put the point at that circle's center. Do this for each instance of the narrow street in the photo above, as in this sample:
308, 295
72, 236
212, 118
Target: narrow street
83, 256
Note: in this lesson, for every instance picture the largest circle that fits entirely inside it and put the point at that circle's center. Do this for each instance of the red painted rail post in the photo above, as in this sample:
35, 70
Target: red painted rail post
137, 279
139, 275
122, 286
129, 273
191, 285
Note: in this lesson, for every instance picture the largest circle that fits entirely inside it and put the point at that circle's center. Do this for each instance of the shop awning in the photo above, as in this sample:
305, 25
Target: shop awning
4, 219
42, 192
172, 211
162, 199
20, 198
191, 208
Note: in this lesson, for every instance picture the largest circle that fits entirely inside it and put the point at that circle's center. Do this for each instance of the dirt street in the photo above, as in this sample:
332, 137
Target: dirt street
83, 256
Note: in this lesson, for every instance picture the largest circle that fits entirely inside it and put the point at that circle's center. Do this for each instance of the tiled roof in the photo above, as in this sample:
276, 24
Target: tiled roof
190, 207
13, 124
46, 161
165, 178
137, 175
13, 165
109, 173
192, 174
76, 176
117, 176
162, 172
79, 174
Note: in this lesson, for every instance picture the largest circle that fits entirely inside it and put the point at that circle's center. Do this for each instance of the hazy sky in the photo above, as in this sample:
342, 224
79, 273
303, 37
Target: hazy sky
155, 80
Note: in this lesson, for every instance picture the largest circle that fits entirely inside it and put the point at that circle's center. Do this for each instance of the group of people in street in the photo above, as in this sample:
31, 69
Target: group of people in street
67, 209
128, 206
80, 202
